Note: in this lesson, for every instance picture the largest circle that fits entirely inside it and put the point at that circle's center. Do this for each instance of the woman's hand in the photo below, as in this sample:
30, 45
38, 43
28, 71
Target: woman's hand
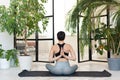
62, 52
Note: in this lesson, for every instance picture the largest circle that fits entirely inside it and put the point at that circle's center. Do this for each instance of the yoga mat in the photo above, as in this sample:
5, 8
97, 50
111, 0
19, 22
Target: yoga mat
26, 73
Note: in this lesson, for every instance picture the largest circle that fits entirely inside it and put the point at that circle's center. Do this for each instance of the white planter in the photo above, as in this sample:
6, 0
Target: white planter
4, 64
25, 62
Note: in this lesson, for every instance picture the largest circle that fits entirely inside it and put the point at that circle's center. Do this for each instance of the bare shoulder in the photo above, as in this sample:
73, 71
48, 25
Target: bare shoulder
54, 46
67, 45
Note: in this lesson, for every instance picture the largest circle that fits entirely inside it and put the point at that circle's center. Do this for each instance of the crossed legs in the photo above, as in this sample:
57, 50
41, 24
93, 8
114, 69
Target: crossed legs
62, 68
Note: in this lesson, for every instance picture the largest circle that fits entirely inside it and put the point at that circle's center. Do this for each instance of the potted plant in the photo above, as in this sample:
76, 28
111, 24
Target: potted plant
7, 56
21, 18
113, 44
90, 11
4, 64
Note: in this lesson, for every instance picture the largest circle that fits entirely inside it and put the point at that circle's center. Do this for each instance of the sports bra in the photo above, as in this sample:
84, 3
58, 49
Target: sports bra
58, 53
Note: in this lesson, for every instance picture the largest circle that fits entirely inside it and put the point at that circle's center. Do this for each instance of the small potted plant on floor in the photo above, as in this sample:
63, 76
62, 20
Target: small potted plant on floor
4, 64
7, 57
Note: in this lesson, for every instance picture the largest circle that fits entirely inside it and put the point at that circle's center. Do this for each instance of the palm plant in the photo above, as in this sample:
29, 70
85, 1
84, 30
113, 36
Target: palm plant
22, 16
91, 11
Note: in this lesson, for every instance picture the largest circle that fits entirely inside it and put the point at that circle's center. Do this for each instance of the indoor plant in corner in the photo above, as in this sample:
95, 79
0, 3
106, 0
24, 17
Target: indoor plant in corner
21, 18
7, 57
90, 11
113, 44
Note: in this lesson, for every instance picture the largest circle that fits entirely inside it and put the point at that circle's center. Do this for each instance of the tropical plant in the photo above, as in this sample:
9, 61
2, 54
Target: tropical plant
22, 16
90, 11
113, 36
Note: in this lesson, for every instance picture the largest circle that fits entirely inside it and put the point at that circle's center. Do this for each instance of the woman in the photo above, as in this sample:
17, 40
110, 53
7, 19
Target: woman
61, 53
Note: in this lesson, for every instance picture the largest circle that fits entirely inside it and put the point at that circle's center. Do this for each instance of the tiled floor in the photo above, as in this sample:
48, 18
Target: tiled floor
12, 73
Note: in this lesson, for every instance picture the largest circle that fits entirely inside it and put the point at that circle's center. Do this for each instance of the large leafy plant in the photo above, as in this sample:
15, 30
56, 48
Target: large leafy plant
113, 37
90, 11
22, 16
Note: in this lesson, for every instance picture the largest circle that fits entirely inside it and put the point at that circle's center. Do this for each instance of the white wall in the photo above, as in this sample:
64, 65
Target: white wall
6, 40
5, 2
61, 8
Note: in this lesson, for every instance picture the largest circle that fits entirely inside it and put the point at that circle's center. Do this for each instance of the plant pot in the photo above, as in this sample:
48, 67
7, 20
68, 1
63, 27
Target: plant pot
12, 63
114, 63
25, 62
4, 64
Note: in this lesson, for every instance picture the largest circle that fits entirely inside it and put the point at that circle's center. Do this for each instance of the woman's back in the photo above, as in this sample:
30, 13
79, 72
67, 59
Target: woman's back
61, 53
59, 47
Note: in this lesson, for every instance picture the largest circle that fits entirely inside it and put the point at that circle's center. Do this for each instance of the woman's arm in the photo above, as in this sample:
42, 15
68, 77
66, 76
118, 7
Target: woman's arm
72, 57
51, 55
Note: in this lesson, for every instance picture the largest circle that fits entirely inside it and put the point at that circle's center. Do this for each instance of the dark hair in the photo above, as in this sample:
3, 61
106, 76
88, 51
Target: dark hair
61, 35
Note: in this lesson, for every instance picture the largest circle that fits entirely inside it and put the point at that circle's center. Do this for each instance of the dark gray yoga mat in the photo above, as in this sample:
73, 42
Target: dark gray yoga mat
26, 73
